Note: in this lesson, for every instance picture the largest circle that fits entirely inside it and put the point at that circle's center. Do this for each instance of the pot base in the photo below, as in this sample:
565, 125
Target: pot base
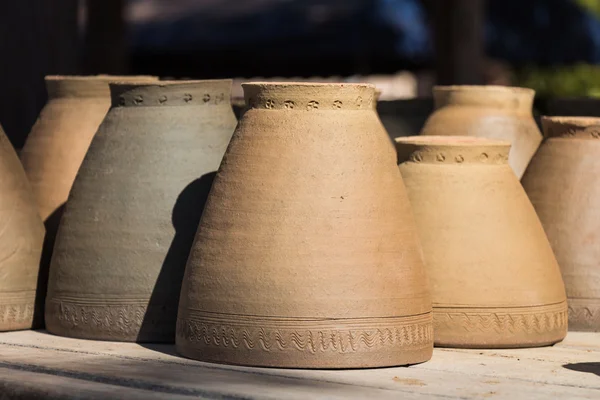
302, 343
496, 328
16, 311
584, 315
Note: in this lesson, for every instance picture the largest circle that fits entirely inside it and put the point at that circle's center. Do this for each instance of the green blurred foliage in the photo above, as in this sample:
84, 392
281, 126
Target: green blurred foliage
569, 81
592, 6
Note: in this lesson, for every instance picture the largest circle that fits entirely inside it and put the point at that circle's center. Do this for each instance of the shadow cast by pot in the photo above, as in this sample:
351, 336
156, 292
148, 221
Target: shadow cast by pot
587, 367
51, 224
161, 314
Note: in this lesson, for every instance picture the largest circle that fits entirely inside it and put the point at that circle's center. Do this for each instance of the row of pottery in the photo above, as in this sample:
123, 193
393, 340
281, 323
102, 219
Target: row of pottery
306, 204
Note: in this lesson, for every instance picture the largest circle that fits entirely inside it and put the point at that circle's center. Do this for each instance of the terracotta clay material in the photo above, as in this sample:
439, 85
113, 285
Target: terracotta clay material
62, 135
21, 237
495, 112
57, 144
134, 209
563, 183
306, 255
495, 281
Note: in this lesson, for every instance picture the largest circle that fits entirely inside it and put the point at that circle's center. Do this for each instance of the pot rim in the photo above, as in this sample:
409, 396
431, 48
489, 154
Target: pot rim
563, 126
483, 88
450, 141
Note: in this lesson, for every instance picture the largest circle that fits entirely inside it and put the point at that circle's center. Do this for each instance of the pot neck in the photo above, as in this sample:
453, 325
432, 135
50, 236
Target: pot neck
309, 96
171, 93
448, 150
518, 100
571, 127
87, 86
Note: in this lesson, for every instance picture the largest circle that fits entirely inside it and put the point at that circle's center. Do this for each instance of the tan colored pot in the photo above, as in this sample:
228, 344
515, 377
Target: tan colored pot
62, 135
495, 112
21, 236
134, 209
57, 144
495, 281
306, 255
563, 183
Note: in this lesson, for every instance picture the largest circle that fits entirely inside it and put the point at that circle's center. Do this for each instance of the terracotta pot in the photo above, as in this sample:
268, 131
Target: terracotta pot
62, 135
495, 112
21, 236
134, 209
306, 255
495, 281
563, 183
57, 144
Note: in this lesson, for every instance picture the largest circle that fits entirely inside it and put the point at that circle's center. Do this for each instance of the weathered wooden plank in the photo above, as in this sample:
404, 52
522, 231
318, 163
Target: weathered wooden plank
541, 373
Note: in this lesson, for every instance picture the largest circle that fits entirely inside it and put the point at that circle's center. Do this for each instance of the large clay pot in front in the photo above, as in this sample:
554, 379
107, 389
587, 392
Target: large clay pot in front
306, 255
563, 183
495, 281
133, 211
495, 112
21, 237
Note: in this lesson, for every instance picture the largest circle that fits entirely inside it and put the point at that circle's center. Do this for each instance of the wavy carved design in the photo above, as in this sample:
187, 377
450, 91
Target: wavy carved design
333, 338
16, 313
111, 320
514, 321
584, 314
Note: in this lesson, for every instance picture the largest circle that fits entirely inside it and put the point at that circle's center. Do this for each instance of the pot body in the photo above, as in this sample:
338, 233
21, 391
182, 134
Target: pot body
563, 184
495, 281
494, 112
133, 211
21, 236
306, 255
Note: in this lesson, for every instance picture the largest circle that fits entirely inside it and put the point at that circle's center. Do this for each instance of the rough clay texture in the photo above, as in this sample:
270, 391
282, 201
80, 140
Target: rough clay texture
57, 144
134, 209
21, 236
494, 112
307, 254
563, 183
495, 281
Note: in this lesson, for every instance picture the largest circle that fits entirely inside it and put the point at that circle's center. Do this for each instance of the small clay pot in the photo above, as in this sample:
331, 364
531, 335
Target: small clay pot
496, 112
21, 237
495, 281
134, 209
306, 255
563, 183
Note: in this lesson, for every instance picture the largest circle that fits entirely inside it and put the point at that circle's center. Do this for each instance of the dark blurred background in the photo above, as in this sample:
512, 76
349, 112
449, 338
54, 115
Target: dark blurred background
403, 46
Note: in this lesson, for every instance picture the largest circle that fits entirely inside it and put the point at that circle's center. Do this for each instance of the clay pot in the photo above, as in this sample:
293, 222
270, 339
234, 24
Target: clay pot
57, 144
563, 183
495, 281
62, 134
133, 211
495, 112
21, 236
306, 255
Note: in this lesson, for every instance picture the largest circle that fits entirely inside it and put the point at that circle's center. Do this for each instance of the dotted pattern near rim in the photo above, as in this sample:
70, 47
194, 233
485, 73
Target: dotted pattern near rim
441, 157
359, 103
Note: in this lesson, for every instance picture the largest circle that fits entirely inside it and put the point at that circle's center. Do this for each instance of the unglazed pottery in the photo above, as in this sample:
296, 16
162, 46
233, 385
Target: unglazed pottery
495, 281
21, 237
133, 211
62, 134
306, 255
57, 144
563, 183
495, 112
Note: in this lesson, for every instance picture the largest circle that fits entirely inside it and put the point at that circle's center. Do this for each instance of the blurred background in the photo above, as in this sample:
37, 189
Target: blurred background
403, 46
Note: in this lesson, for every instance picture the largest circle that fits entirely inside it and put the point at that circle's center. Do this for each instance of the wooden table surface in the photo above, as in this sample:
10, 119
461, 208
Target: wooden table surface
35, 364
